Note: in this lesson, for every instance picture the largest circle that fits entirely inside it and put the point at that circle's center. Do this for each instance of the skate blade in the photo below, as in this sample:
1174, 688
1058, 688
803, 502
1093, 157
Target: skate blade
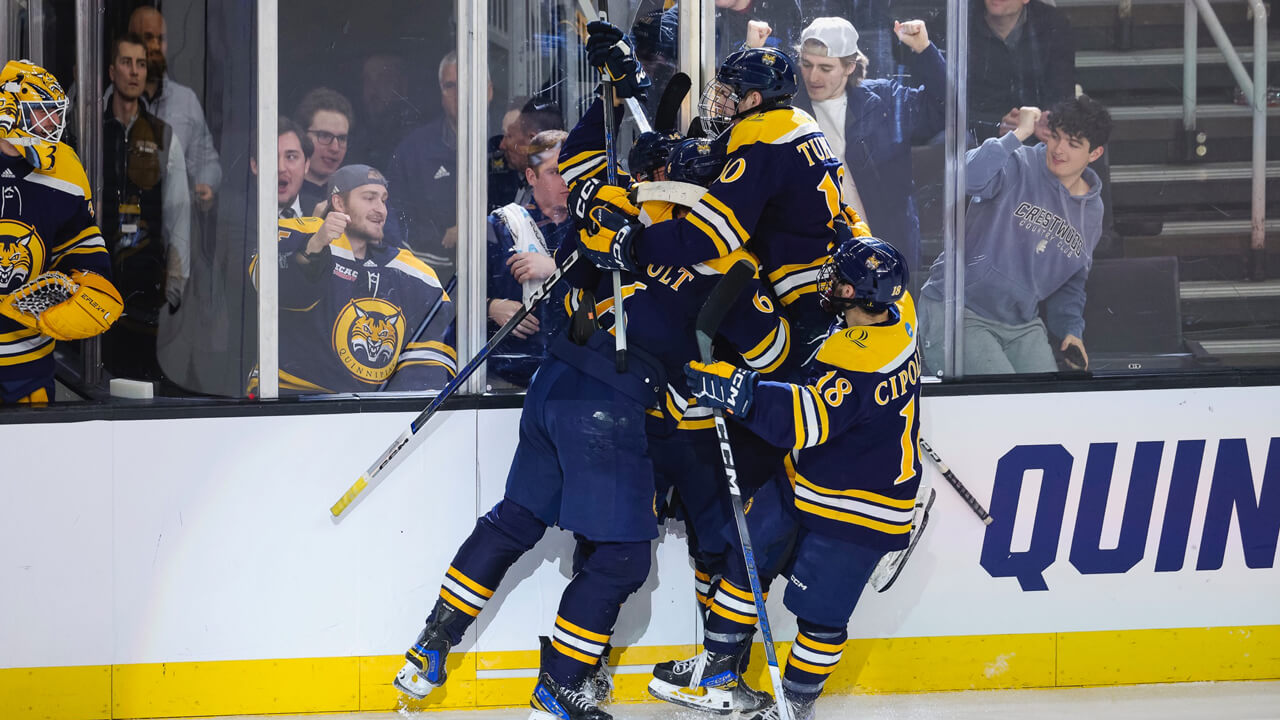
712, 700
404, 682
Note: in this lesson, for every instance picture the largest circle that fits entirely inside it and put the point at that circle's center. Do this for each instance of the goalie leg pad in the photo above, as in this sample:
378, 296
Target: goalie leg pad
94, 306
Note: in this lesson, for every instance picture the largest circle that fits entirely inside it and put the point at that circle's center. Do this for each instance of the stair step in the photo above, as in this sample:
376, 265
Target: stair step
1188, 173
1118, 60
1227, 289
1262, 346
1174, 112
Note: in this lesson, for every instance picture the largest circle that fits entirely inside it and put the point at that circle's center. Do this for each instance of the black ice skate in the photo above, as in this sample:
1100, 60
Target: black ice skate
709, 681
600, 684
423, 670
799, 711
552, 702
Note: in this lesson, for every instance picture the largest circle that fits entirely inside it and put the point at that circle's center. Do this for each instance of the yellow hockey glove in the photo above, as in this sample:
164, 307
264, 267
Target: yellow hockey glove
593, 193
608, 242
27, 302
89, 311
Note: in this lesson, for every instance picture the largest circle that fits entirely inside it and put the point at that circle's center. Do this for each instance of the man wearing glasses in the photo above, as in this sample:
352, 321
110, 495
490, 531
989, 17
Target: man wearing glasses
326, 116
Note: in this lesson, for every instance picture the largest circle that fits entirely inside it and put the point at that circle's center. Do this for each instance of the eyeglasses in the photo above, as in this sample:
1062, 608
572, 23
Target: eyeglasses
328, 138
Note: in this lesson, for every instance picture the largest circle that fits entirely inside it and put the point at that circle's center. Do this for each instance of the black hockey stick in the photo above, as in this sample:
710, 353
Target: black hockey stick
713, 311
422, 327
664, 121
410, 438
973, 503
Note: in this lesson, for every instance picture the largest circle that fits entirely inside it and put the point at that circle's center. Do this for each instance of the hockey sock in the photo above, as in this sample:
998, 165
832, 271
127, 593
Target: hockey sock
732, 618
589, 608
500, 538
702, 583
813, 658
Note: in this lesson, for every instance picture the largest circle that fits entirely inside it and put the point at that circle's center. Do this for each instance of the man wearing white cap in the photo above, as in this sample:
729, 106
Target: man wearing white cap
871, 124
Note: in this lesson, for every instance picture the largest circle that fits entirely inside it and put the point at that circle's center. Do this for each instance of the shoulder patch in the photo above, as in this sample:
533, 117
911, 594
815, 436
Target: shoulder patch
876, 349
775, 127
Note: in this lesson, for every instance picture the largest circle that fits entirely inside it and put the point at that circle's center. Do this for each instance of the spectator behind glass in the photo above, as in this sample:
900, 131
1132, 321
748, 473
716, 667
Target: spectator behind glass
521, 242
146, 214
756, 23
1021, 53
871, 124
386, 113
535, 116
424, 171
326, 116
1030, 232
177, 105
294, 150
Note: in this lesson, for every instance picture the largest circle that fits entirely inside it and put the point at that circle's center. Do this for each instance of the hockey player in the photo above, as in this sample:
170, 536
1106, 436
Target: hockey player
779, 195
825, 524
351, 303
54, 267
583, 464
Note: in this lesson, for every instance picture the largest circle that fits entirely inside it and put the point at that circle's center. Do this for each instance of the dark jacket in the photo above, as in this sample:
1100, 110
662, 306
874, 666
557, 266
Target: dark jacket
1036, 69
883, 119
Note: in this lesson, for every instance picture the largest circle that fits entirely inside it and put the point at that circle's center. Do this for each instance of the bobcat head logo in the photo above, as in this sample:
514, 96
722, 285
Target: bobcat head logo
367, 337
21, 254
374, 336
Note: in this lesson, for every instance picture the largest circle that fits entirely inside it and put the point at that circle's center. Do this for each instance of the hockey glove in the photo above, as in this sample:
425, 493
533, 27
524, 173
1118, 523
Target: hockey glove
65, 308
592, 193
609, 50
608, 241
721, 385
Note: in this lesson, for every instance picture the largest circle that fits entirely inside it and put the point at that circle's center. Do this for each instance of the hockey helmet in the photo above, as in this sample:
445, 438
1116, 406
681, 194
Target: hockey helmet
33, 111
696, 161
874, 268
650, 152
767, 71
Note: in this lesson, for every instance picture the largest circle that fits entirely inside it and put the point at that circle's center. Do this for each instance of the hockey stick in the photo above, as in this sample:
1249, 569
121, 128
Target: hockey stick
410, 438
973, 503
890, 566
422, 327
713, 311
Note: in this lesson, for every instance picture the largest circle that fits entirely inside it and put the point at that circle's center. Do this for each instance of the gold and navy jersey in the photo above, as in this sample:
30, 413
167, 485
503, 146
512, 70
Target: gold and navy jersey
662, 304
582, 156
853, 430
46, 223
778, 196
347, 324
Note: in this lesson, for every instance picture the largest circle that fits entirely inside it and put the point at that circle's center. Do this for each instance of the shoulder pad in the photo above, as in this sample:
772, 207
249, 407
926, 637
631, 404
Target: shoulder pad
306, 225
774, 127
876, 349
721, 265
67, 169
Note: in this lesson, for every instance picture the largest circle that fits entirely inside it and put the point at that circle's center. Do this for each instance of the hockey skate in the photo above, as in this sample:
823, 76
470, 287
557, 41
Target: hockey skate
600, 684
552, 702
423, 669
799, 711
708, 681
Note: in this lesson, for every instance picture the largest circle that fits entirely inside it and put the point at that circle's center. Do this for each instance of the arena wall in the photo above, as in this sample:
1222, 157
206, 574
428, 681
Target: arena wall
189, 567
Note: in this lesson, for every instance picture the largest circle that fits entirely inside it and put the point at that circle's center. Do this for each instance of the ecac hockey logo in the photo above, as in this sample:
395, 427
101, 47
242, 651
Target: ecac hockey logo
367, 338
21, 254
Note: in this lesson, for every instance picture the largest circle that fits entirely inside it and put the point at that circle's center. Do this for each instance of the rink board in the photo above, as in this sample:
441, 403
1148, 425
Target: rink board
189, 567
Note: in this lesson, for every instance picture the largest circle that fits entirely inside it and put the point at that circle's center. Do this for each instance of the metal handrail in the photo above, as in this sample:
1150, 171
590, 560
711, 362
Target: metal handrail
1254, 88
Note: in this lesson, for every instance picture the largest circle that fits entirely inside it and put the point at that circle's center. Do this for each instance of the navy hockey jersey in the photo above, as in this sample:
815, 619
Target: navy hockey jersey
46, 223
855, 428
347, 324
778, 195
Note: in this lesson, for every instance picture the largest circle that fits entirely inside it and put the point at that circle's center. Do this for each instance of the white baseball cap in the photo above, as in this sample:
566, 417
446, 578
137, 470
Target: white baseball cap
836, 33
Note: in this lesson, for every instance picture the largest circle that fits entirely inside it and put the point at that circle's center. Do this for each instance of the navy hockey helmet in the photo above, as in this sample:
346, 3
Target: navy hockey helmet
650, 152
874, 268
696, 161
767, 71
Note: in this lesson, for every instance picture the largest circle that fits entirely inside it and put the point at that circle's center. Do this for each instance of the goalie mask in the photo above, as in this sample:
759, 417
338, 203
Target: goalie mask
764, 70
33, 111
874, 268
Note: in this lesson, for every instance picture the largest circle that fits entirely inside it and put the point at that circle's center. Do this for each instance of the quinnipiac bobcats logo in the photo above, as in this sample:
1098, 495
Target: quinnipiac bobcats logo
21, 254
367, 337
